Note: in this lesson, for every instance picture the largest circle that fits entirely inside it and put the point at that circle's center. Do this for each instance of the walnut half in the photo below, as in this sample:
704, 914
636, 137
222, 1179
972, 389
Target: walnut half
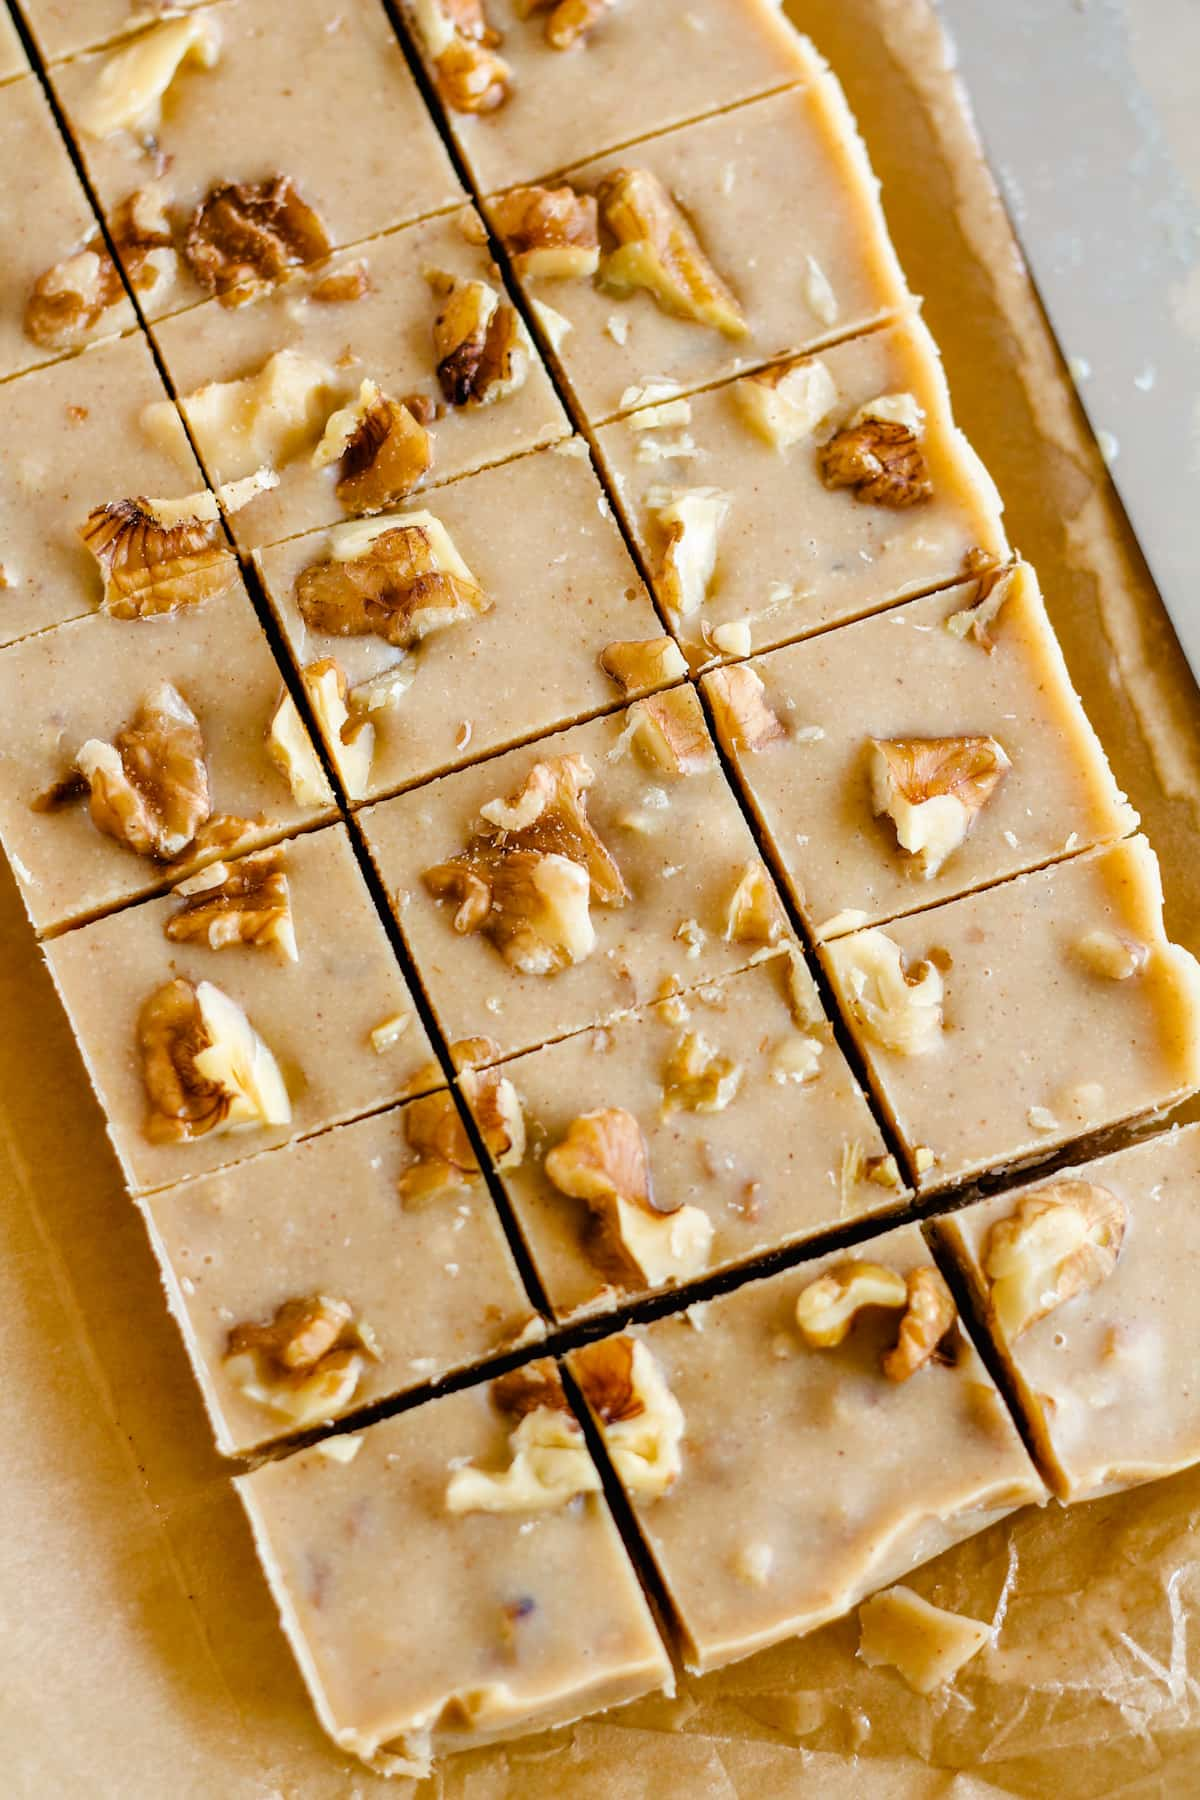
881, 459
243, 902
1063, 1240
245, 237
306, 1364
148, 789
639, 665
204, 1066
933, 789
399, 578
657, 250
159, 556
827, 1309
445, 1162
381, 450
641, 1419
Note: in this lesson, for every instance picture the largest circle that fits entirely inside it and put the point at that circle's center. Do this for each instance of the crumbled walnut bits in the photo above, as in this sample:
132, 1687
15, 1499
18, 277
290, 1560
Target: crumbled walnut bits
656, 249
381, 450
551, 234
482, 350
399, 578
691, 522
933, 789
788, 403
1061, 1241
548, 1464
69, 301
879, 456
445, 1162
642, 1421
897, 1005
244, 902
828, 1308
460, 43
158, 556
637, 665
697, 1078
148, 789
306, 1365
204, 1066
127, 94
246, 236
738, 695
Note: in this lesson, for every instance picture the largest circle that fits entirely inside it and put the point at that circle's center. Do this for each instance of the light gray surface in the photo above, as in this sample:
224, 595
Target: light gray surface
1090, 115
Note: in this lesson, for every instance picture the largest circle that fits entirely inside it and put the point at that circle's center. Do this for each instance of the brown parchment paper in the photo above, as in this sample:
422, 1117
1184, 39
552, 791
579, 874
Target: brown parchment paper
139, 1653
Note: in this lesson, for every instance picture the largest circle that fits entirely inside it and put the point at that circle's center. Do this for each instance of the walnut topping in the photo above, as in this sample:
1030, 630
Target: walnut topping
880, 459
642, 1421
929, 1319
1061, 1241
262, 420
399, 578
639, 665
158, 556
550, 233
245, 902
382, 452
127, 94
69, 301
245, 237
460, 43
754, 915
786, 403
692, 522
533, 1386
604, 1161
827, 1308
351, 737
548, 1464
568, 22
343, 286
925, 1643
145, 243
696, 1078
747, 722
445, 1161
1111, 956
149, 787
306, 1364
933, 789
992, 589
496, 1108
658, 250
204, 1066
667, 731
291, 750
482, 348
898, 1006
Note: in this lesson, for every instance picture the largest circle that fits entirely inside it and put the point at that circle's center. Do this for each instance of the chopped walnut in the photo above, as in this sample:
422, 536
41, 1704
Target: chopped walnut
460, 44
351, 736
550, 233
827, 1308
929, 1318
401, 581
472, 1052
692, 523
992, 589
657, 250
696, 1078
158, 556
127, 93
1112, 956
533, 1386
898, 1006
925, 1643
245, 902
148, 789
568, 22
881, 460
640, 665
343, 286
389, 1031
933, 789
754, 914
667, 730
786, 403
480, 343
70, 300
245, 237
291, 750
144, 241
445, 1161
496, 1108
1060, 1241
306, 1364
548, 1457
738, 696
204, 1066
642, 1421
382, 452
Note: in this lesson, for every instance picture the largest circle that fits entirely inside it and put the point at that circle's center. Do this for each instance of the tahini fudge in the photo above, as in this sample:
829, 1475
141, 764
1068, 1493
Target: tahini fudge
13, 60
65, 27
814, 1436
453, 1577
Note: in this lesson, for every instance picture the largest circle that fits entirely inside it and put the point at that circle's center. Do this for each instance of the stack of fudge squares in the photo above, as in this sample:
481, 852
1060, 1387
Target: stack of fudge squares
541, 784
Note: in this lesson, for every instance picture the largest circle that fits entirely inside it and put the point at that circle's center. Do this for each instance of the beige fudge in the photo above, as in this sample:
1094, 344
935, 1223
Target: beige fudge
561, 589
314, 1015
385, 337
793, 553
433, 1284
805, 1477
267, 91
1000, 1026
88, 681
771, 1143
1085, 1284
993, 743
635, 72
44, 217
785, 209
71, 440
680, 846
422, 1631
13, 60
65, 27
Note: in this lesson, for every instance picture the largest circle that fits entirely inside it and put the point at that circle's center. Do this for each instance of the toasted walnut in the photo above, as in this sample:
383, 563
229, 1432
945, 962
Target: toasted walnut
898, 1006
532, 1387
754, 915
306, 1364
70, 300
571, 21
382, 452
482, 349
1111, 956
1061, 1241
472, 1052
291, 750
343, 286
786, 403
827, 1308
692, 523
667, 730
159, 556
351, 737
642, 1421
658, 250
245, 237
445, 1161
746, 721
496, 1108
149, 787
459, 42
929, 1318
881, 460
127, 94
261, 421
204, 1066
637, 665
992, 589
696, 1078
550, 233
245, 902
925, 1643
400, 580
144, 241
933, 789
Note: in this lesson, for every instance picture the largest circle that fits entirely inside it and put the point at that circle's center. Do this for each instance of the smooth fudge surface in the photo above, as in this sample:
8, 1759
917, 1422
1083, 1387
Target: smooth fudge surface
65, 27
13, 61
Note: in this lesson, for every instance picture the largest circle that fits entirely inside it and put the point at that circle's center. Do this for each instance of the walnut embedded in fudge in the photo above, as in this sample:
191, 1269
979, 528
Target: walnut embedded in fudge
247, 236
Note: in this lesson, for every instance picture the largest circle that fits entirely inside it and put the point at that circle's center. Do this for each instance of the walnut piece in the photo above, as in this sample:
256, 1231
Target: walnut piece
291, 750
481, 347
244, 902
697, 1078
445, 1162
148, 789
460, 44
787, 403
204, 1066
551, 234
881, 460
306, 1364
144, 241
1112, 956
548, 1463
827, 1308
399, 578
496, 1108
1061, 1241
992, 589
746, 721
929, 1318
754, 914
245, 237
925, 1643
69, 301
641, 1419
668, 732
343, 285
638, 665
692, 522
260, 421
382, 452
350, 736
657, 250
898, 1006
159, 556
127, 94
933, 789
568, 22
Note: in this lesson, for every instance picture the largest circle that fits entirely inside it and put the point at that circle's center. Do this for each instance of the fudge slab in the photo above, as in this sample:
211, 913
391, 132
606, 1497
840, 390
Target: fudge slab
86, 680
315, 1015
286, 78
791, 1152
65, 27
909, 677
638, 71
783, 202
385, 337
808, 1477
434, 1282
679, 842
998, 1027
562, 588
13, 60
70, 440
1106, 1377
793, 554
421, 1632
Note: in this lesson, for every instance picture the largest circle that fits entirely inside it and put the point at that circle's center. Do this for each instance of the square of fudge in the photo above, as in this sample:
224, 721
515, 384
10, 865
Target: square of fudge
794, 552
623, 886
553, 589
688, 1138
633, 72
71, 440
1084, 1282
257, 90
45, 218
65, 27
776, 1480
914, 763
415, 1288
142, 688
304, 357
452, 1577
999, 1027
793, 249
291, 1044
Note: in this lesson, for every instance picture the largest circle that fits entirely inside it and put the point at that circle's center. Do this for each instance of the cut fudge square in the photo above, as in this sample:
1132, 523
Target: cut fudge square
71, 440
243, 94
562, 884
773, 212
65, 27
187, 699
688, 1138
793, 1446
998, 1027
517, 652
208, 1041
260, 383
785, 545
1086, 1282
914, 761
322, 1238
453, 1577
13, 60
630, 73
